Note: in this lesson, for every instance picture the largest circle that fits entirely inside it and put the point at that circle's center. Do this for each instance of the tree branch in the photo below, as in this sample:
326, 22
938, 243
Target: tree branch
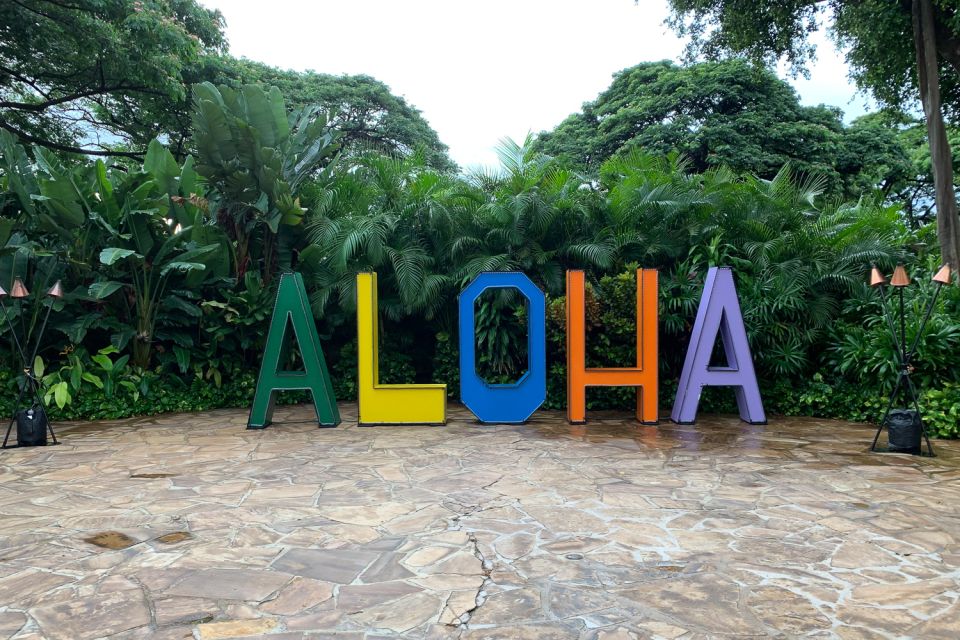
25, 80
64, 5
40, 13
948, 46
37, 107
49, 144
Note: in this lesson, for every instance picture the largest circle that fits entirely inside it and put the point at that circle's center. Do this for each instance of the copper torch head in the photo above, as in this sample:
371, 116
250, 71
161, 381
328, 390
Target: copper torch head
943, 276
876, 278
900, 277
56, 291
18, 290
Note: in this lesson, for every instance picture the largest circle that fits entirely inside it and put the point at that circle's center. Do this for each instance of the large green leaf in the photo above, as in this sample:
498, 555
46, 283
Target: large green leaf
212, 132
170, 245
6, 228
111, 254
182, 267
279, 112
188, 178
138, 223
76, 329
61, 394
104, 361
63, 201
183, 358
92, 379
312, 256
176, 303
220, 258
107, 207
185, 210
18, 172
162, 166
100, 290
266, 114
200, 252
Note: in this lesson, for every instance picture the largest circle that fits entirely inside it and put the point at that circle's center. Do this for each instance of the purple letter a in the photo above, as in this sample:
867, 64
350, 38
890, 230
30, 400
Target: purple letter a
719, 312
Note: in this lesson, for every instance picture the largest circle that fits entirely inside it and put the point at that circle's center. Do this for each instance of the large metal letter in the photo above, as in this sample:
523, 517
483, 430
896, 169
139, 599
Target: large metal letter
643, 376
292, 310
719, 312
388, 403
514, 402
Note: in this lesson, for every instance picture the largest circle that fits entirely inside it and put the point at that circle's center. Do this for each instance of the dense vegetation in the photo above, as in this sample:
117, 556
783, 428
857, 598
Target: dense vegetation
169, 251
729, 113
364, 112
906, 53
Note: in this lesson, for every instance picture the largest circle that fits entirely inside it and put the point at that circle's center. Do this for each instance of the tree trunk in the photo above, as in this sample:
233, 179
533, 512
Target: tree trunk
925, 44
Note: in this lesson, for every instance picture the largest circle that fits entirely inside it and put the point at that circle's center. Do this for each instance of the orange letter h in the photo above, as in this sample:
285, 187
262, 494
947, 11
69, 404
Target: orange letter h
643, 376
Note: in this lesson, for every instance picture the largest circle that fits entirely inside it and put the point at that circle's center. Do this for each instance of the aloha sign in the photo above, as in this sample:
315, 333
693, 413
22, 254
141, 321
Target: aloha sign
719, 315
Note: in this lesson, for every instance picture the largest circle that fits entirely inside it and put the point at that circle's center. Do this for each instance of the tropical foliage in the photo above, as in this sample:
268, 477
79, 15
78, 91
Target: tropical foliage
169, 265
256, 157
907, 54
365, 114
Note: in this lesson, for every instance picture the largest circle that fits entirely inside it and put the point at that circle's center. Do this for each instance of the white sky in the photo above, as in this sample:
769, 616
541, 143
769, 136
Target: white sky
481, 71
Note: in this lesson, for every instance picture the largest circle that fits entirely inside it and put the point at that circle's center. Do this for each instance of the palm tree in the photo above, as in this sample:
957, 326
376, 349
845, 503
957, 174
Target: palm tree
395, 216
257, 157
537, 217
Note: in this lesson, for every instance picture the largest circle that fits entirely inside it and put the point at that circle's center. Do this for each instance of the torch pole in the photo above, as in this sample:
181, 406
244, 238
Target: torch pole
889, 318
923, 323
16, 340
903, 329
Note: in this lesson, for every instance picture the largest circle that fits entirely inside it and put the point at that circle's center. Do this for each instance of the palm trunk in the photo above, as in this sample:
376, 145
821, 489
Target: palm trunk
141, 351
925, 44
143, 341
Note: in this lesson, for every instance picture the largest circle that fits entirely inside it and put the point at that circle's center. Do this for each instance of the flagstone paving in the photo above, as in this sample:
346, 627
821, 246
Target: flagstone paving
190, 526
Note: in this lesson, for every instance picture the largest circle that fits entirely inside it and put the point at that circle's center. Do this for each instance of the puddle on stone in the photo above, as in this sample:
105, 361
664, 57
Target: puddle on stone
574, 556
111, 540
152, 475
175, 537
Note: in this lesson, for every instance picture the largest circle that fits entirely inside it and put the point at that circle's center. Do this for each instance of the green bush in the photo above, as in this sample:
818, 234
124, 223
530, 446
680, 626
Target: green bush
941, 410
206, 239
162, 394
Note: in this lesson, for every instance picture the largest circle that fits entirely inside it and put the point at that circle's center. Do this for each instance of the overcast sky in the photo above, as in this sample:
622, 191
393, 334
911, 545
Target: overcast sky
481, 71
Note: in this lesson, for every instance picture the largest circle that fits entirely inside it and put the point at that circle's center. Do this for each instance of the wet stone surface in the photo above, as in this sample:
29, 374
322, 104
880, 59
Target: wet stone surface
190, 526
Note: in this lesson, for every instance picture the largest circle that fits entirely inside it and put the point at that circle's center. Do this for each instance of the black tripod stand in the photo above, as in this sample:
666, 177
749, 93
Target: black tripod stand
31, 384
905, 354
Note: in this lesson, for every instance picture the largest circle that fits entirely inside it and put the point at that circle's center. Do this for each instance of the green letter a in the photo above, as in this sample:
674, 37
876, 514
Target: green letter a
293, 310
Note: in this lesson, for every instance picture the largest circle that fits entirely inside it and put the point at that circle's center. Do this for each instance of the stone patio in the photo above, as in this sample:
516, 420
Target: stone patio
190, 526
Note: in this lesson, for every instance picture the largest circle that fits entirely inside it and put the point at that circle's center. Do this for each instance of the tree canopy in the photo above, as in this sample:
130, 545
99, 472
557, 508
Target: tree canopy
727, 113
95, 77
362, 109
106, 78
911, 185
902, 51
876, 34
